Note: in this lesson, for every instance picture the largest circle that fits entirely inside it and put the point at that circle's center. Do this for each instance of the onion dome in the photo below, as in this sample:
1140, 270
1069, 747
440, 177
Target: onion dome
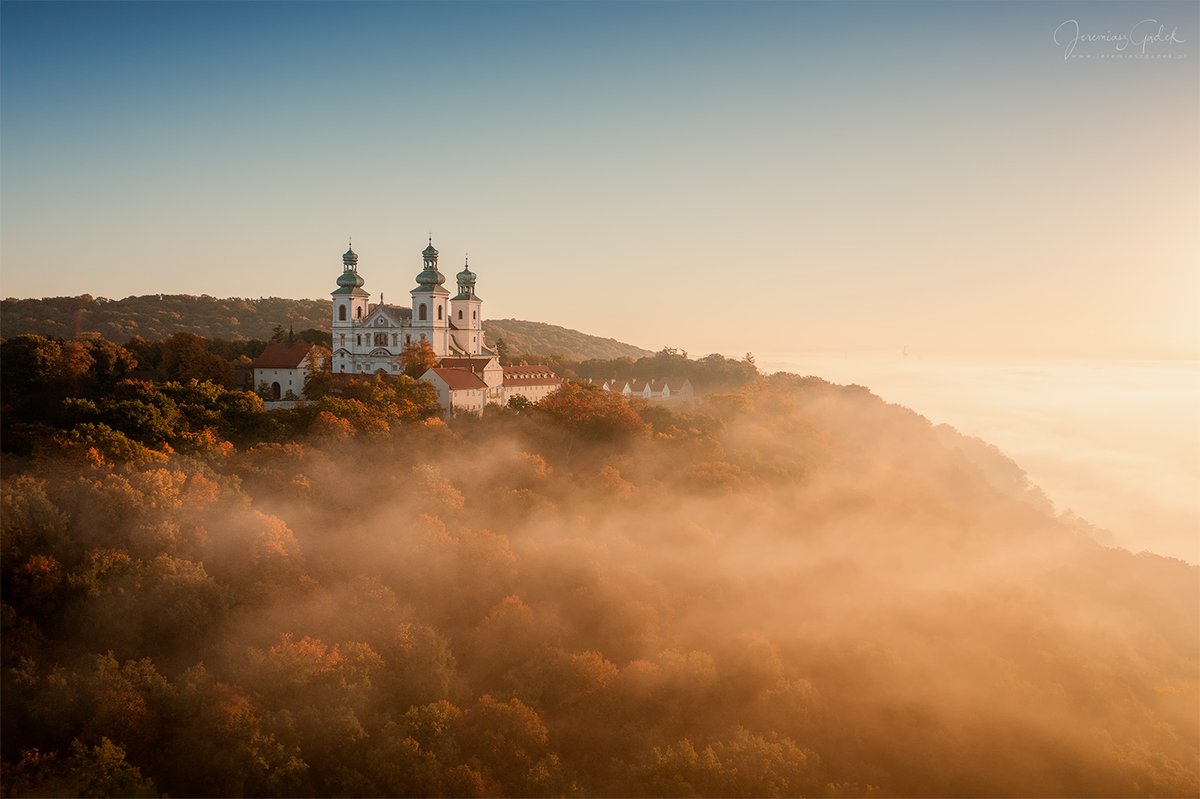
430, 278
466, 284
349, 279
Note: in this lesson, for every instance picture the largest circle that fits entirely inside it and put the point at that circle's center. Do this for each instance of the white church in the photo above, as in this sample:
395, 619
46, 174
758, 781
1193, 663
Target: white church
369, 337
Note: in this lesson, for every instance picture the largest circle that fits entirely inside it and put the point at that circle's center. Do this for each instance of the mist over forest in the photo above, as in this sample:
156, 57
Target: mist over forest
790, 589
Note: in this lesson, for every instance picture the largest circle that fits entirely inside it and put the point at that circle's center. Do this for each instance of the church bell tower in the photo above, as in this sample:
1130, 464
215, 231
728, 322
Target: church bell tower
350, 307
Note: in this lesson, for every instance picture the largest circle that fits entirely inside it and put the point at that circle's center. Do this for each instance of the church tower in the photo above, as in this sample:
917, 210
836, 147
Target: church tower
430, 314
350, 307
465, 314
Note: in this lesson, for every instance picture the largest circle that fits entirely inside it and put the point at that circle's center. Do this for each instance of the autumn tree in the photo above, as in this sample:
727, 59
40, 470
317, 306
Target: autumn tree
318, 374
593, 413
185, 356
417, 358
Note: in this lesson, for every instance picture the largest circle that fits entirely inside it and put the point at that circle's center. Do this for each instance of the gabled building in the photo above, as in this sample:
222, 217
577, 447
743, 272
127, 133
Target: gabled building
459, 390
656, 390
459, 382
533, 382
486, 369
280, 370
669, 388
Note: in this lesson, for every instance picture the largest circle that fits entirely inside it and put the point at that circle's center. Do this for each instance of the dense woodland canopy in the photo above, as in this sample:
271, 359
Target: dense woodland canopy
154, 317
792, 588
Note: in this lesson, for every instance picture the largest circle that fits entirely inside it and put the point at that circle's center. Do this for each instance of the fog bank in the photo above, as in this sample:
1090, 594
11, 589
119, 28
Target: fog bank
1116, 442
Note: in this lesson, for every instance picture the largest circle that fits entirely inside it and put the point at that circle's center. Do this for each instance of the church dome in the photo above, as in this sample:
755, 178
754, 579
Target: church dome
350, 258
466, 275
430, 252
350, 279
430, 277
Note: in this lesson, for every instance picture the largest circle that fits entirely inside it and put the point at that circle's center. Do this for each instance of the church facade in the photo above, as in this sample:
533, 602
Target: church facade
369, 337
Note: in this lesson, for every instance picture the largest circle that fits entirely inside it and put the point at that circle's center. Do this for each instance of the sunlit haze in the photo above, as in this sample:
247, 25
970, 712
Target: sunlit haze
718, 177
826, 421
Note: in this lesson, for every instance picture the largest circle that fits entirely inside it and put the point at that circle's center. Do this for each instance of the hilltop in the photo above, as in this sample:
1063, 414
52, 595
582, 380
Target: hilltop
546, 339
157, 316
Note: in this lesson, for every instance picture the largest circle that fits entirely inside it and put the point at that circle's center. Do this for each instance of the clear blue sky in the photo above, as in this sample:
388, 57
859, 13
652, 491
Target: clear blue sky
720, 177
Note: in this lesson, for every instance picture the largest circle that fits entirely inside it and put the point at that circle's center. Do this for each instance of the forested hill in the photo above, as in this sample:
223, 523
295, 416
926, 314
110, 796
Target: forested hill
791, 589
157, 316
544, 339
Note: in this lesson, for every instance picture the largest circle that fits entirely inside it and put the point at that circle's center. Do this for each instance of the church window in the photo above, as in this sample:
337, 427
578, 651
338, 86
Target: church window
407, 339
358, 341
395, 339
472, 314
460, 313
358, 312
341, 313
422, 315
342, 337
381, 339
439, 313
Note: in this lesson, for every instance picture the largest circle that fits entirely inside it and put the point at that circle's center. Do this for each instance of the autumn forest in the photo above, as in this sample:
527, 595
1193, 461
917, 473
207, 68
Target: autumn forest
789, 588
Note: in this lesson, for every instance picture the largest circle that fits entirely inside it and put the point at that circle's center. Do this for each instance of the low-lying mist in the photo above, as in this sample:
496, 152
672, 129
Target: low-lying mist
792, 590
1114, 441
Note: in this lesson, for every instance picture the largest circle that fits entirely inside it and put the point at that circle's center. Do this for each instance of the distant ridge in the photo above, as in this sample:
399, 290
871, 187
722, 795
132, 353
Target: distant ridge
157, 316
540, 338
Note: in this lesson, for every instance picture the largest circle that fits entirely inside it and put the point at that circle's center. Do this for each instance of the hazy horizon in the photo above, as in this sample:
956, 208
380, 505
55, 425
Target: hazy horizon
730, 177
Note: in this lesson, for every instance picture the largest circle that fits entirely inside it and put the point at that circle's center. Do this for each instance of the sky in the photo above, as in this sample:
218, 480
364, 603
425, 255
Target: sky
964, 179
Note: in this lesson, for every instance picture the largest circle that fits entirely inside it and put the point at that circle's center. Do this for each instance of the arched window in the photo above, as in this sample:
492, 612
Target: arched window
460, 313
341, 313
358, 312
472, 314
439, 313
421, 313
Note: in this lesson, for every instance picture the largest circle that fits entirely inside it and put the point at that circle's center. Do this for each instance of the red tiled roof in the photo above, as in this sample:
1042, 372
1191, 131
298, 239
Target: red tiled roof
458, 379
530, 375
282, 356
470, 364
